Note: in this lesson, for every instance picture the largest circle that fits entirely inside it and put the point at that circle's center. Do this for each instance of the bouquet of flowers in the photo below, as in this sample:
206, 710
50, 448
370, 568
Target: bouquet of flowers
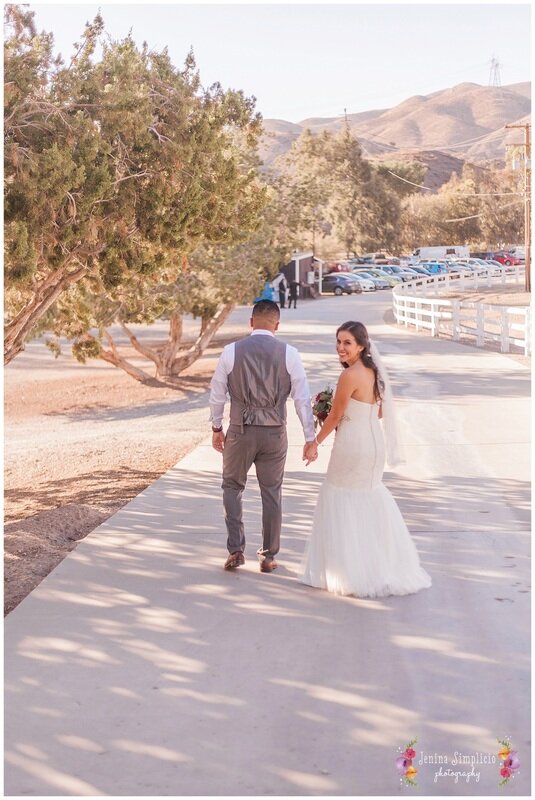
322, 405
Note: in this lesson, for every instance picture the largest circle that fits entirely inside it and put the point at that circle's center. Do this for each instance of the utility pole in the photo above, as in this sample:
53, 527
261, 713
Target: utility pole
494, 77
526, 126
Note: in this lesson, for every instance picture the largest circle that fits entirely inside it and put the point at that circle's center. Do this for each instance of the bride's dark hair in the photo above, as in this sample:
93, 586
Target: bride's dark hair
360, 334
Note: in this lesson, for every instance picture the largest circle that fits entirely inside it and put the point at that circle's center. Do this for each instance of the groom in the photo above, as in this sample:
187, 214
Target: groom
259, 373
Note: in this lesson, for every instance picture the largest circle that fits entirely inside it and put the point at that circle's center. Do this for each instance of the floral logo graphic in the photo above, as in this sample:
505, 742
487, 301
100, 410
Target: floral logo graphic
404, 764
509, 759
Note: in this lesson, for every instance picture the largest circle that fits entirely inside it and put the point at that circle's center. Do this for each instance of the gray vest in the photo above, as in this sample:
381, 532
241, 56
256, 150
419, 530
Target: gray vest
259, 383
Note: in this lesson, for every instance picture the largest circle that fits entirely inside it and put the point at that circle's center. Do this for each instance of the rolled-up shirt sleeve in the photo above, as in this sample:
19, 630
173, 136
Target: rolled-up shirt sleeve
219, 385
300, 391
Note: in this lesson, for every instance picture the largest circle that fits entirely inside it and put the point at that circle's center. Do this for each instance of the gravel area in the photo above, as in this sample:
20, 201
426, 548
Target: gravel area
80, 442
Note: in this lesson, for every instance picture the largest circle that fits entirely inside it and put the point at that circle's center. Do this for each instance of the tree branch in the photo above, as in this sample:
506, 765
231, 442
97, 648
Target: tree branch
18, 329
112, 357
203, 340
136, 344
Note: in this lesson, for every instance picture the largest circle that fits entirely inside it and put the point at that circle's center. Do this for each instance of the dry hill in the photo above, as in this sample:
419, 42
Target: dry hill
442, 129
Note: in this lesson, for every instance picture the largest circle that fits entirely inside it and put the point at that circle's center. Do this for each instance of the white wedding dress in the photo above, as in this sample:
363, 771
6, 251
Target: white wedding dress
359, 543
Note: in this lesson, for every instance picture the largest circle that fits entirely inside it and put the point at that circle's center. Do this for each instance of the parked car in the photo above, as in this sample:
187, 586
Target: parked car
380, 282
477, 263
339, 266
519, 251
488, 264
387, 260
435, 267
484, 254
357, 260
495, 268
503, 267
378, 272
474, 268
366, 284
421, 270
456, 266
401, 272
339, 283
473, 265
506, 258
412, 271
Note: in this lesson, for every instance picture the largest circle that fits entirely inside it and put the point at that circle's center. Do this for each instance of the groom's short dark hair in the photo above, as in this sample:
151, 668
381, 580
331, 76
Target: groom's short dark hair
266, 308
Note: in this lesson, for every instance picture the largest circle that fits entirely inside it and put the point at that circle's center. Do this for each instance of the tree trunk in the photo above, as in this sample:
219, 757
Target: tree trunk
203, 340
169, 351
177, 365
18, 329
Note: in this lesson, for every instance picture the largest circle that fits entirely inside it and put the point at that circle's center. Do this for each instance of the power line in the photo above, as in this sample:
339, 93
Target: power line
459, 194
419, 185
393, 148
475, 216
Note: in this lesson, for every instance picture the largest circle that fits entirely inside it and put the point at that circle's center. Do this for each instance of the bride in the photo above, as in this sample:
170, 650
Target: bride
359, 543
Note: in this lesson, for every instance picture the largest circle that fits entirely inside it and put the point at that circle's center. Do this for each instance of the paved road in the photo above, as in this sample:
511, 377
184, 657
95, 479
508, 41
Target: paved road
140, 667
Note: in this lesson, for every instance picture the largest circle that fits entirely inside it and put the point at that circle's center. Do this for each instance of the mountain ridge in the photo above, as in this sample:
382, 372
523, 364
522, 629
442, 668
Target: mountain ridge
463, 122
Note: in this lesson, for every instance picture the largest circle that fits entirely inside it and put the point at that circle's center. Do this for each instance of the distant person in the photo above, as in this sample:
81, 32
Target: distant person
282, 293
267, 293
294, 293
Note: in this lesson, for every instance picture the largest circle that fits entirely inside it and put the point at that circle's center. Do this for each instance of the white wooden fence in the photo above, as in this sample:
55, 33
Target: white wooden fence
508, 325
461, 281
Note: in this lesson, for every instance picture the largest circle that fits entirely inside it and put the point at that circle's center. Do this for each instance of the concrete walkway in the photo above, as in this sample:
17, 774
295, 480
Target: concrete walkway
140, 667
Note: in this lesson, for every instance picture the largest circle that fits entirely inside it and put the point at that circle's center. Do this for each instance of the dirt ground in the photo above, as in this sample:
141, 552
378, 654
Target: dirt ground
80, 442
512, 296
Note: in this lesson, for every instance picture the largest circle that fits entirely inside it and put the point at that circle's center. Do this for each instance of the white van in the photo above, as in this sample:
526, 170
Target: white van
443, 251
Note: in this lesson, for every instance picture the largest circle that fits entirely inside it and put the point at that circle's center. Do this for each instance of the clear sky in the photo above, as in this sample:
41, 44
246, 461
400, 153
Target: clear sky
307, 60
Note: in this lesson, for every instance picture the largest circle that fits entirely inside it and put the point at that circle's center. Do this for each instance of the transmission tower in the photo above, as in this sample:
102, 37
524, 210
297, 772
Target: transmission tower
494, 76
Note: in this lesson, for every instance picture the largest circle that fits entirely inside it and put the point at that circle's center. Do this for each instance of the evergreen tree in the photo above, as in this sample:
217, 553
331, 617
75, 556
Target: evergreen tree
208, 285
329, 188
352, 208
115, 171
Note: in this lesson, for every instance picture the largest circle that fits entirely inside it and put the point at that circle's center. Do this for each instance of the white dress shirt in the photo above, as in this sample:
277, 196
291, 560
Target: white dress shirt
299, 392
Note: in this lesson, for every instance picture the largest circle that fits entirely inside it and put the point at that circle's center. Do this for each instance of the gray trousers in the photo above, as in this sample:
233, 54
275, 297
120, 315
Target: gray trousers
266, 448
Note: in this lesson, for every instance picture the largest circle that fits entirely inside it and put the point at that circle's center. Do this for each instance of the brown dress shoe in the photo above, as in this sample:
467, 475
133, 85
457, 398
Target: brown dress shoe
268, 565
235, 560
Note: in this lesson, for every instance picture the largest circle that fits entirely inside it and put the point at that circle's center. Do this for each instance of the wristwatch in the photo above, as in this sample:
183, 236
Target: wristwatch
217, 430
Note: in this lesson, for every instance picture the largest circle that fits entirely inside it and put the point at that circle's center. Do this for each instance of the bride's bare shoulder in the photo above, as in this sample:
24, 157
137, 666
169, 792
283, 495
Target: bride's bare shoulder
349, 377
359, 371
361, 376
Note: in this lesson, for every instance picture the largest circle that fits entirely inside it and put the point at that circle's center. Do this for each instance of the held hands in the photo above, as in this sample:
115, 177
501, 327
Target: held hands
310, 452
218, 441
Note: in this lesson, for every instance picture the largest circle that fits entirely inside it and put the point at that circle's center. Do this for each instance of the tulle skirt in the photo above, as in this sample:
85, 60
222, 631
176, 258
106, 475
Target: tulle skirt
360, 545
